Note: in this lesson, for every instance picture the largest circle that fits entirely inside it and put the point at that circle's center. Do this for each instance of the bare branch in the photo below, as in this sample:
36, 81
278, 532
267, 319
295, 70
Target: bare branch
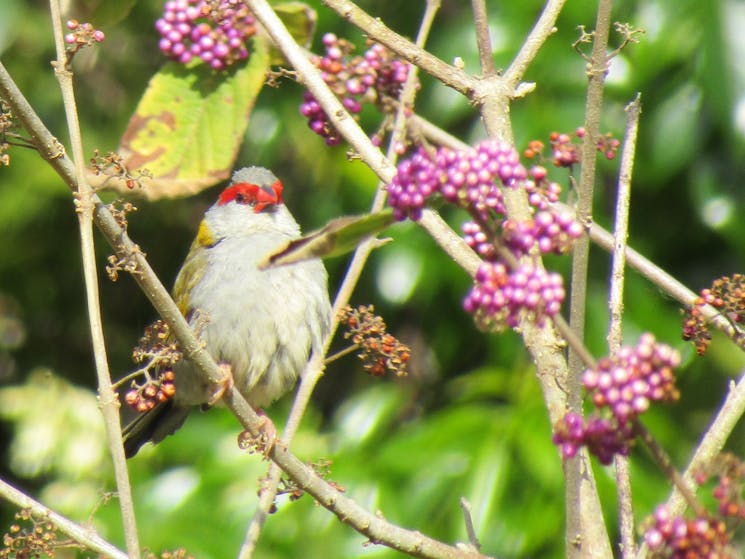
84, 207
468, 519
483, 38
620, 234
540, 33
83, 535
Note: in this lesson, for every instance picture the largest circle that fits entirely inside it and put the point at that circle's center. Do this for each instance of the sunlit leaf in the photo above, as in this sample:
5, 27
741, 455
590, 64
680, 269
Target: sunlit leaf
340, 236
190, 122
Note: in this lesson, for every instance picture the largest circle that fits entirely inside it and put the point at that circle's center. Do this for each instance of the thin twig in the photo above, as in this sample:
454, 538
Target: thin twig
615, 334
86, 536
341, 353
468, 519
542, 30
483, 38
659, 277
107, 397
597, 70
663, 462
576, 524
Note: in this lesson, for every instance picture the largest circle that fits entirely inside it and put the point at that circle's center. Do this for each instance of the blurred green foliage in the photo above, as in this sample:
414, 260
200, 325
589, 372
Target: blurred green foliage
469, 420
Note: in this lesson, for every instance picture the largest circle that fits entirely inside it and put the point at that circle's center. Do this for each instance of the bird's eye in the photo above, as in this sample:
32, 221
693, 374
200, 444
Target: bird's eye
245, 199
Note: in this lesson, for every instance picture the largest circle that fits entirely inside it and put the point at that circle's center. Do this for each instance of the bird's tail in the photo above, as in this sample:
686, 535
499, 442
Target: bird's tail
153, 425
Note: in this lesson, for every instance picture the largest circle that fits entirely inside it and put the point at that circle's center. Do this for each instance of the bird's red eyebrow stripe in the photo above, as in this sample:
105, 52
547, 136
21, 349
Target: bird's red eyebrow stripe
260, 197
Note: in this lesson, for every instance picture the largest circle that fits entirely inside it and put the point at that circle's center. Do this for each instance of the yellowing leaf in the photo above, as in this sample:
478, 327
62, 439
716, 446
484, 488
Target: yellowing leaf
190, 123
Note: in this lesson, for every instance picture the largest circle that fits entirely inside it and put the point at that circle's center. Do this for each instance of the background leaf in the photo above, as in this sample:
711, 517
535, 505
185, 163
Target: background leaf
300, 20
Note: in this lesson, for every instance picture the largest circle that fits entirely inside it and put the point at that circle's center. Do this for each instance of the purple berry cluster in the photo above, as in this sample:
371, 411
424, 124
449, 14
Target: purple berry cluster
565, 152
392, 73
626, 384
602, 437
681, 538
728, 492
727, 295
81, 35
417, 179
216, 32
465, 178
549, 232
501, 298
635, 377
373, 77
541, 191
478, 240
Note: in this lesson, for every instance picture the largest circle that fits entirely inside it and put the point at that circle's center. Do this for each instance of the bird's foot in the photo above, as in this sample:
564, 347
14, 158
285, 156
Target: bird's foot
264, 440
225, 384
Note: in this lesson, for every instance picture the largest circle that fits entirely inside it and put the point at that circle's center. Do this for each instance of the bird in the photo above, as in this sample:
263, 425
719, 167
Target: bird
262, 323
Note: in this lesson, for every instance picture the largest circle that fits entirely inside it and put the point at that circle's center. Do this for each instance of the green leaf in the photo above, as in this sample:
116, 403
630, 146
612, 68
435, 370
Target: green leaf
340, 236
300, 20
190, 122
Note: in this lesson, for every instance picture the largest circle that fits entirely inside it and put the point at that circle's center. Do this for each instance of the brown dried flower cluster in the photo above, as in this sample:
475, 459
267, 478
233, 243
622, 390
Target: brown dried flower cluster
112, 165
158, 352
179, 553
30, 537
7, 125
380, 351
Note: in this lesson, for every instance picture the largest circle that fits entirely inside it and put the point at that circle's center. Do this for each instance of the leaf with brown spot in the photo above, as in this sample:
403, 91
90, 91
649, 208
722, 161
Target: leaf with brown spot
190, 123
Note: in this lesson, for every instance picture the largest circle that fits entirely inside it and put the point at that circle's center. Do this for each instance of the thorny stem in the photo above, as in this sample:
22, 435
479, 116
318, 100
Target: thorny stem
108, 400
623, 474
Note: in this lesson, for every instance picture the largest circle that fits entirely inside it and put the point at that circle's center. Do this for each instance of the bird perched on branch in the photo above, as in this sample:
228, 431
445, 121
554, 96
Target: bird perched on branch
263, 324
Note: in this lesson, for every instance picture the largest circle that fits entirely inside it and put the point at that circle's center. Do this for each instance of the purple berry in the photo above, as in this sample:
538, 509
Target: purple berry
217, 35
